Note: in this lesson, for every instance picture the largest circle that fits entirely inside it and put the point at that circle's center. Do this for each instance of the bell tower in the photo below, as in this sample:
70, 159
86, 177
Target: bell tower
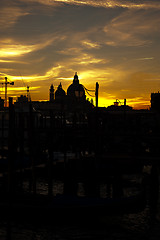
51, 99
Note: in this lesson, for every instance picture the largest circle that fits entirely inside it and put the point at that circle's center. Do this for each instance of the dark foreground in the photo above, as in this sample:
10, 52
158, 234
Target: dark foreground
137, 225
128, 226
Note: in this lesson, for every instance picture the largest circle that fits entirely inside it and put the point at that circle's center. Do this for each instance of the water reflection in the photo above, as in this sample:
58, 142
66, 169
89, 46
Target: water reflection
127, 226
132, 226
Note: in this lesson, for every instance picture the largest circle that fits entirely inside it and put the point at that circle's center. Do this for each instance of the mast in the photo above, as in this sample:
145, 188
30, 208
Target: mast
96, 93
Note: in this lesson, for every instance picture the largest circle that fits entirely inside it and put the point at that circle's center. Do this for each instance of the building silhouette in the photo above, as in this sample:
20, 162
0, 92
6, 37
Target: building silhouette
76, 91
74, 100
155, 101
1, 104
60, 95
51, 96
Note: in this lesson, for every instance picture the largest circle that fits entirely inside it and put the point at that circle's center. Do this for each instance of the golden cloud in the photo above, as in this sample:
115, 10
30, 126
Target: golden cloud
9, 16
132, 28
11, 48
90, 44
15, 50
6, 61
139, 103
54, 71
89, 59
145, 58
20, 89
103, 3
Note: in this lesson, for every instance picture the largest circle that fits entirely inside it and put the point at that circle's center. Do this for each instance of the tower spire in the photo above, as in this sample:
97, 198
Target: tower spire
75, 80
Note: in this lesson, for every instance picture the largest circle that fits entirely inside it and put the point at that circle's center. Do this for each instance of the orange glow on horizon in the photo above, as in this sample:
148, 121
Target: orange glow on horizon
43, 93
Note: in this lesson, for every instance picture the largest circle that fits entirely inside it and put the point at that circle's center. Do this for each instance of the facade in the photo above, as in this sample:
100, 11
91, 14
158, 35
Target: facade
72, 101
1, 104
155, 101
75, 92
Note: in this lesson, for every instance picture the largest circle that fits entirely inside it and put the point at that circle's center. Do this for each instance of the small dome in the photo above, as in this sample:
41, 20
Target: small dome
59, 92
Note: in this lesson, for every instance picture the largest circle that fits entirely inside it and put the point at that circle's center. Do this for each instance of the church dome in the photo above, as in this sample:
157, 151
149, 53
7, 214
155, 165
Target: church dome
59, 93
76, 89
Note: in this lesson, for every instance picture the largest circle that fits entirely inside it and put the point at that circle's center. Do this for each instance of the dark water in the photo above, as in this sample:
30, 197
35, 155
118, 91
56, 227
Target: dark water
132, 226
129, 226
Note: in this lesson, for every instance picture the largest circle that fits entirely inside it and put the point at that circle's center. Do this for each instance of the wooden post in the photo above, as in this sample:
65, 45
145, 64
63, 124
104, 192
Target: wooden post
64, 140
11, 149
31, 147
154, 191
21, 146
96, 93
2, 137
50, 160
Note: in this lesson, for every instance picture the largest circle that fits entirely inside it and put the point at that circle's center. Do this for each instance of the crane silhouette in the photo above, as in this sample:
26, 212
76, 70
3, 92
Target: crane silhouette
6, 84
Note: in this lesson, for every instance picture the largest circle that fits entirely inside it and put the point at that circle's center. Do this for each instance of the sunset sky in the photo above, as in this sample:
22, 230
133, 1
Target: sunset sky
115, 43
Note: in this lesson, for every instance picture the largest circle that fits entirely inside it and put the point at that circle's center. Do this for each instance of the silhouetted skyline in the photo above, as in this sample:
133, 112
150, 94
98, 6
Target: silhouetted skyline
114, 43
